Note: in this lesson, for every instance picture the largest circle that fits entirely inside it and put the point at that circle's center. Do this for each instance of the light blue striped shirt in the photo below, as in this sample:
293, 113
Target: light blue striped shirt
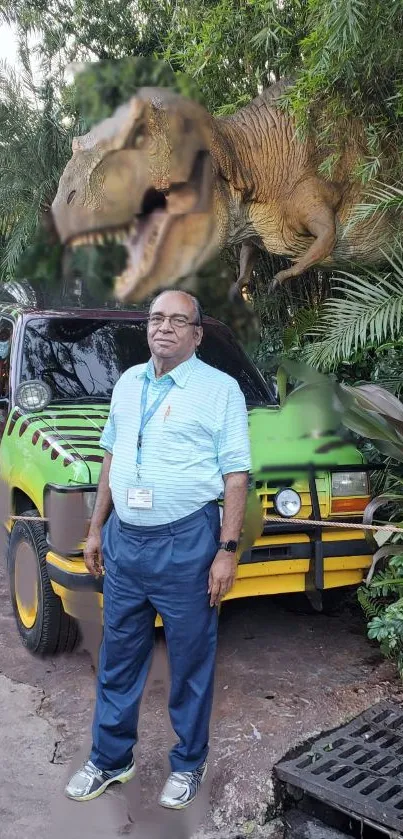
198, 434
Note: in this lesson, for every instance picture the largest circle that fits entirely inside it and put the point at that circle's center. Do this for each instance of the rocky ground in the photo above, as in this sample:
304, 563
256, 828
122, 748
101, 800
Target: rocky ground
281, 678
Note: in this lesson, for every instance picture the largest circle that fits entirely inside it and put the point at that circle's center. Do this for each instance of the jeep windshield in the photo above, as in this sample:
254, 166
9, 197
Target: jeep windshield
81, 359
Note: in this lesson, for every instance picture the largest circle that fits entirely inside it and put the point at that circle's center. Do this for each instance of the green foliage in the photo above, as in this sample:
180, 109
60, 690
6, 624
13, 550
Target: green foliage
233, 47
385, 199
83, 30
382, 602
366, 314
352, 65
34, 148
368, 601
101, 87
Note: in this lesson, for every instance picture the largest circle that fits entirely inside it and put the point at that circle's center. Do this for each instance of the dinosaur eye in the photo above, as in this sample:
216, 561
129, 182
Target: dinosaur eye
71, 196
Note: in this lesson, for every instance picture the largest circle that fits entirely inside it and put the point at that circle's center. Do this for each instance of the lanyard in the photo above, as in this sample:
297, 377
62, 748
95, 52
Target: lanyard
146, 415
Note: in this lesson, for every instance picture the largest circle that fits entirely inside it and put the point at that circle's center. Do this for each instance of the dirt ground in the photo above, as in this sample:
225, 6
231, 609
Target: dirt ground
281, 678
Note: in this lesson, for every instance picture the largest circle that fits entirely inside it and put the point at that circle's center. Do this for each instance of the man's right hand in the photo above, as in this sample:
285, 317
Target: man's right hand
93, 553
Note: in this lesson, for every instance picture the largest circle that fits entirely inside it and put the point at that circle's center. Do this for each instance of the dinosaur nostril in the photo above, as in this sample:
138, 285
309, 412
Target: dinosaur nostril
71, 196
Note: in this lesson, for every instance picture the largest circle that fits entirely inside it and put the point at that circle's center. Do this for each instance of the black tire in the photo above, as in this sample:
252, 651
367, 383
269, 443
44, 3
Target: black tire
52, 630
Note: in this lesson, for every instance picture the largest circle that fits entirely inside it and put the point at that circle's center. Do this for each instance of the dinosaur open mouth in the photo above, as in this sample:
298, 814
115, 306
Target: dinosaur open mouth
144, 240
146, 232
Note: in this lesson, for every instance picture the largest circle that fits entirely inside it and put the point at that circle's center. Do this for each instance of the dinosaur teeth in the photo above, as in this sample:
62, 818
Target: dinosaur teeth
104, 237
78, 242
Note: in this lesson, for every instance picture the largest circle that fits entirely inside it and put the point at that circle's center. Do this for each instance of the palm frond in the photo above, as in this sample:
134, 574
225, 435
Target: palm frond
369, 312
382, 199
34, 148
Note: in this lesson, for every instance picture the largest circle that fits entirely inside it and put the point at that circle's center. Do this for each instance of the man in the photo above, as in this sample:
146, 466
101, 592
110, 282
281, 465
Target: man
176, 440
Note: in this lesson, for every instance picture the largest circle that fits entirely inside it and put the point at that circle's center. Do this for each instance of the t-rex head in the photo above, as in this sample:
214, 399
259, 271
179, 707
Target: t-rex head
143, 177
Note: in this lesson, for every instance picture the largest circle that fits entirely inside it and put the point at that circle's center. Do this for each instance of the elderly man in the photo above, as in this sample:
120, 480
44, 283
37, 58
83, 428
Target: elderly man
176, 440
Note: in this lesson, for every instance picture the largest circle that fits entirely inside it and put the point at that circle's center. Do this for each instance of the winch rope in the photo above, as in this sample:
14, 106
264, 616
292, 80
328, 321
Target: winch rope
342, 524
269, 519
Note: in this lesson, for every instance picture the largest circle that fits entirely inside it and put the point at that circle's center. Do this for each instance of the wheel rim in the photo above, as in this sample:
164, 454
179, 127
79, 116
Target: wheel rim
26, 584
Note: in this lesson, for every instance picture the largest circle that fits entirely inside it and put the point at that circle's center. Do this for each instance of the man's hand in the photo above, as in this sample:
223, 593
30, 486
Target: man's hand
93, 552
222, 576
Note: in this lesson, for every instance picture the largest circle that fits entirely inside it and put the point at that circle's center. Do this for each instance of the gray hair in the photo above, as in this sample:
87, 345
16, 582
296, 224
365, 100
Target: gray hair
198, 311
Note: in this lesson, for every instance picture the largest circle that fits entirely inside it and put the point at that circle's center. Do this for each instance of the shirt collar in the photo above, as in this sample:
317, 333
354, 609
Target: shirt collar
179, 374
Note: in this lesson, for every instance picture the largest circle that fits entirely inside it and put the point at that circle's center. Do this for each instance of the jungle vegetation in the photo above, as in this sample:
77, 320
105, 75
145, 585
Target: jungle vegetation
345, 57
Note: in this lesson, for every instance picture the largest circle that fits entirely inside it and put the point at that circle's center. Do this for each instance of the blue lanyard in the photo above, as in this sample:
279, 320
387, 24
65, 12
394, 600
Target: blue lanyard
146, 415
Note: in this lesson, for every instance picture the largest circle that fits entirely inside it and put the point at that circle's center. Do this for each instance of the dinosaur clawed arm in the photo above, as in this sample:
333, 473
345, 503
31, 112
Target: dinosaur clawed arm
247, 261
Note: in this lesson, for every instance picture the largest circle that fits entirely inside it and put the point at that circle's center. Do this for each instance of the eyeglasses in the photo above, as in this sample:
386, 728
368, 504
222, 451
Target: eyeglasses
176, 321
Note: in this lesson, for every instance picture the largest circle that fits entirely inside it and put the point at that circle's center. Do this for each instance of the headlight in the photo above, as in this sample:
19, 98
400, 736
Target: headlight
349, 483
287, 503
33, 396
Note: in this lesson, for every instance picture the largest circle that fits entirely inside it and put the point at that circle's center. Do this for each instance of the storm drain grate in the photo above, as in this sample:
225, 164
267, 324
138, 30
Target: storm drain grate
358, 768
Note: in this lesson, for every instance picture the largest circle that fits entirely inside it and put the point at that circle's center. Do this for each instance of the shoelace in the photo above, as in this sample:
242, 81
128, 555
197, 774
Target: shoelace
187, 777
90, 771
182, 777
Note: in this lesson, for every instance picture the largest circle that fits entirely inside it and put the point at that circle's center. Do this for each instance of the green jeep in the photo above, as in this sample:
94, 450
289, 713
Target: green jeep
55, 388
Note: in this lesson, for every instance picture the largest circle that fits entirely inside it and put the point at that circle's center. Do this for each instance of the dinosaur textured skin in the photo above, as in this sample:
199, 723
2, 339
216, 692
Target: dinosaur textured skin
175, 185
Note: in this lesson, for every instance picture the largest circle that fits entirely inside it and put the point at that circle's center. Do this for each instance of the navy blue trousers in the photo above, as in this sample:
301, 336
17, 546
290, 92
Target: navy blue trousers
148, 570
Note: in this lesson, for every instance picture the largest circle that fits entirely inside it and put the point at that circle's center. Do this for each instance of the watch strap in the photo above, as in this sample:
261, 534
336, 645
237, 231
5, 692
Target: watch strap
230, 546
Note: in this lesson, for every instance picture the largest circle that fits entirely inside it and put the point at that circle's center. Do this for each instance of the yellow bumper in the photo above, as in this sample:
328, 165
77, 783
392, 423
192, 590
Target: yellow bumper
81, 594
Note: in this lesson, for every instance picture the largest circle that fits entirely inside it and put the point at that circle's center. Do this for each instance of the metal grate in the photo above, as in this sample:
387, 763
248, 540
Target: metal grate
358, 768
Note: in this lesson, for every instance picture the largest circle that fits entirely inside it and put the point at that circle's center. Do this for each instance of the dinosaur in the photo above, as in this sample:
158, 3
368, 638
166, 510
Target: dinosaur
176, 185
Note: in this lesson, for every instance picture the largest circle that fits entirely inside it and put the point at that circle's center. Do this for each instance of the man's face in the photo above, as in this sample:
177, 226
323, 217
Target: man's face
171, 331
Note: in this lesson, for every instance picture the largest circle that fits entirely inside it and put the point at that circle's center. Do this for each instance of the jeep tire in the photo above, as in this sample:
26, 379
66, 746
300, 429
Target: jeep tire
42, 622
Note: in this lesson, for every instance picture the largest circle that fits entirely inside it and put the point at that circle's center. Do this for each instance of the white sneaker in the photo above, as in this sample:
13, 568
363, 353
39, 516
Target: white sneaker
89, 781
181, 788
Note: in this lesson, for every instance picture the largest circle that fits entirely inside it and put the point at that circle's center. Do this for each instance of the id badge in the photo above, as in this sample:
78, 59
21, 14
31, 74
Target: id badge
140, 498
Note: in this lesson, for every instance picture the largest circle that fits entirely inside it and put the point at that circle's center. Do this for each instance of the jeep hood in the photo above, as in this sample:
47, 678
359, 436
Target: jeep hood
62, 442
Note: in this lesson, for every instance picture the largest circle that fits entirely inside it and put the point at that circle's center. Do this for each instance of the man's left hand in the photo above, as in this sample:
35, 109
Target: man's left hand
222, 576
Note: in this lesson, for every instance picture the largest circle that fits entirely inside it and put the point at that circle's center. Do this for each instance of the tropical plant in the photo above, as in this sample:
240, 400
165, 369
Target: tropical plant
375, 415
366, 315
34, 147
232, 48
382, 603
352, 65
380, 199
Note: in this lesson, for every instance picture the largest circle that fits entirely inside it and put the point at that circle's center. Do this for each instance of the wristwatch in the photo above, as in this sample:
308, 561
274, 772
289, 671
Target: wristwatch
230, 546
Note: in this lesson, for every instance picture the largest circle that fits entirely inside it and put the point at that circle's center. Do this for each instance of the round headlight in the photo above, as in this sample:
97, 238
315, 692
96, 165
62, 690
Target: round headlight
33, 396
287, 503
